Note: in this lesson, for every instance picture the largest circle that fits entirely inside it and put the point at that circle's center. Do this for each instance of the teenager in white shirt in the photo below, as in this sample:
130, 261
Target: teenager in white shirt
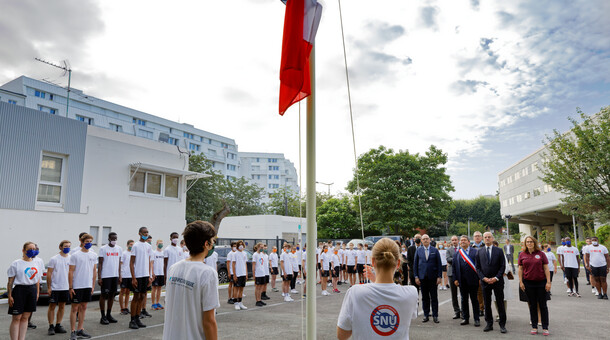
367, 254
258, 269
295, 269
125, 279
191, 296
39, 263
231, 288
266, 266
380, 310
22, 297
58, 287
172, 253
570, 264
350, 261
335, 265
343, 268
108, 270
140, 266
319, 260
81, 279
598, 263
443, 253
325, 257
552, 259
304, 270
286, 264
273, 263
240, 274
360, 262
77, 249
158, 271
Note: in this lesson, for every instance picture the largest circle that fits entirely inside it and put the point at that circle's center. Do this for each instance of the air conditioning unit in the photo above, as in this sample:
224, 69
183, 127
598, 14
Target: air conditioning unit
163, 137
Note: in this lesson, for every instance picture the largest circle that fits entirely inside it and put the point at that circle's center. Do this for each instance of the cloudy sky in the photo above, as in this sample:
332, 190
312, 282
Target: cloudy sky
482, 80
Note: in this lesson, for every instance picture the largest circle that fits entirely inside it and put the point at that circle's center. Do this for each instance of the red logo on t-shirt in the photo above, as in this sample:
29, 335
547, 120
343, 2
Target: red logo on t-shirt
385, 320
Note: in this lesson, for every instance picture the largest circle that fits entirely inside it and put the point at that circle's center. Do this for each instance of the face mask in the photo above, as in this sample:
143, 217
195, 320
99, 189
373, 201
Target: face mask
440, 247
298, 248
326, 250
241, 247
30, 253
568, 244
234, 249
36, 252
113, 243
129, 248
66, 250
145, 237
418, 241
274, 250
211, 251
403, 248
548, 249
175, 241
260, 250
336, 252
160, 245
88, 245
563, 243
594, 243
294, 251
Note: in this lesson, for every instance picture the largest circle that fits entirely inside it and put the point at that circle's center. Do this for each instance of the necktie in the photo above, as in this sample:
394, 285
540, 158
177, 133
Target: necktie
488, 255
426, 254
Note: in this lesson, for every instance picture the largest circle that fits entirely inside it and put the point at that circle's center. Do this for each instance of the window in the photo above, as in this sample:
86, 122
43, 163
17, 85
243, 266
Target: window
137, 181
153, 183
145, 134
187, 135
105, 232
534, 167
172, 141
548, 188
537, 192
258, 160
230, 178
274, 168
39, 94
87, 120
212, 152
213, 164
274, 186
116, 127
209, 141
505, 203
519, 198
231, 155
194, 147
139, 122
201, 139
274, 176
231, 167
94, 231
517, 175
47, 109
272, 160
51, 96
527, 195
51, 179
224, 145
14, 102
525, 171
171, 186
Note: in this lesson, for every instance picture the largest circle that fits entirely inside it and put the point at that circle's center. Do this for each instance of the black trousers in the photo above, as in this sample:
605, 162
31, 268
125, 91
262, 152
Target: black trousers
536, 296
498, 290
405, 274
294, 280
510, 260
470, 291
454, 295
429, 296
412, 281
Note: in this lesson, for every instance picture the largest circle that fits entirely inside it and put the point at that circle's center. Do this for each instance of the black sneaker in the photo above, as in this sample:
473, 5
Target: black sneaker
145, 313
264, 304
259, 303
599, 297
265, 297
31, 325
111, 319
51, 330
133, 324
605, 296
231, 301
59, 329
82, 335
124, 311
139, 323
104, 321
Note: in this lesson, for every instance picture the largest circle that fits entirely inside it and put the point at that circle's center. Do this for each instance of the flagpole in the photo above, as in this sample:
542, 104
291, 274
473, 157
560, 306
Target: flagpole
310, 135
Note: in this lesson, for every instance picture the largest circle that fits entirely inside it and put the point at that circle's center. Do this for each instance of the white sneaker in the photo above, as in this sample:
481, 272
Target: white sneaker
325, 293
243, 295
290, 298
294, 291
594, 291
241, 306
569, 290
236, 305
283, 294
286, 298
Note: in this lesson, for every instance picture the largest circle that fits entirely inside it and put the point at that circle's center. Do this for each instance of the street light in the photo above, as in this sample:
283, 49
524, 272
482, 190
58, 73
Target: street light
328, 184
507, 217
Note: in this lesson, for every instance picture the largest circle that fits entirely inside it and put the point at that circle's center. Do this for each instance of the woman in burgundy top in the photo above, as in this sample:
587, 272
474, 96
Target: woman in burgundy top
535, 280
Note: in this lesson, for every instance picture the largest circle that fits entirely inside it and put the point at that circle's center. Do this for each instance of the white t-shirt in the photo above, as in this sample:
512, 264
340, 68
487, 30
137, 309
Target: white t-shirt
112, 257
319, 252
143, 252
569, 257
325, 261
158, 262
350, 256
84, 265
295, 262
304, 263
75, 250
335, 260
212, 260
24, 272
173, 254
551, 257
369, 254
125, 259
39, 263
299, 256
273, 259
378, 310
266, 263
596, 255
361, 256
230, 256
240, 258
443, 254
191, 289
259, 269
287, 263
341, 256
61, 266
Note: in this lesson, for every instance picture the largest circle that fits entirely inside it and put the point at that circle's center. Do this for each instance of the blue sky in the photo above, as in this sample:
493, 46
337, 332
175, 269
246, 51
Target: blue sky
482, 80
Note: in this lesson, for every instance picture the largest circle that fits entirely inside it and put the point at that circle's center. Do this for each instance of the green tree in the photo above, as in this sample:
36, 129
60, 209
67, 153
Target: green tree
402, 191
284, 196
577, 164
338, 218
243, 197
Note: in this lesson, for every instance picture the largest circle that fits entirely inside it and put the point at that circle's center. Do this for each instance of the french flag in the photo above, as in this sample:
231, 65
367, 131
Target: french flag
300, 26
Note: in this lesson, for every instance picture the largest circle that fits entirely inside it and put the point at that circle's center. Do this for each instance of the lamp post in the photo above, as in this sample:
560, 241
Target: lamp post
447, 228
327, 184
469, 219
507, 230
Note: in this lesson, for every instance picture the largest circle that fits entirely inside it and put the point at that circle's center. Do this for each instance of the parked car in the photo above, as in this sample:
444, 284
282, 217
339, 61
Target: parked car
223, 273
359, 240
374, 239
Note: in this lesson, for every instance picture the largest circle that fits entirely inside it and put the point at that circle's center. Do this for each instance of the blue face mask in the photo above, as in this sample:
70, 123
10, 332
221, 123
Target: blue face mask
36, 252
563, 243
30, 253
145, 237
88, 245
66, 250
568, 244
298, 248
548, 249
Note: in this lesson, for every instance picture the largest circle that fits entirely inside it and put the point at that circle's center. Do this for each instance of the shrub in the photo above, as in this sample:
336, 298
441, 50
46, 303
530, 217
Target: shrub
603, 233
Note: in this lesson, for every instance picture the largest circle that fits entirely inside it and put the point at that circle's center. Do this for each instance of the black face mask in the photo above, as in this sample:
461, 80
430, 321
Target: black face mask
418, 241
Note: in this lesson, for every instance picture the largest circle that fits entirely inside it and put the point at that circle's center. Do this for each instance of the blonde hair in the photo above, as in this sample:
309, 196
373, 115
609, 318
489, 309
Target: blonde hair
386, 254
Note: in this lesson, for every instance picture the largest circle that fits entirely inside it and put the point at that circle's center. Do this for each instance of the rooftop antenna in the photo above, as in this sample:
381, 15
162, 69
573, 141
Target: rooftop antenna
67, 69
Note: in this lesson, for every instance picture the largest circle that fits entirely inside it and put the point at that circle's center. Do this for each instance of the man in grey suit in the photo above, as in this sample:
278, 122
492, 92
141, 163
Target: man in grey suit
509, 250
451, 250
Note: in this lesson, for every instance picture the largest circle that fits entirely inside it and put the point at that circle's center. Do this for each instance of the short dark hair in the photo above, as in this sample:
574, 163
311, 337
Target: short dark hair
81, 234
61, 244
141, 228
112, 234
196, 234
233, 244
129, 241
172, 234
85, 236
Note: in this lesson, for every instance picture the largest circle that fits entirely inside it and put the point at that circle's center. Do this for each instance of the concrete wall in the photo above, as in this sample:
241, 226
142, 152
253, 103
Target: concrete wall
260, 226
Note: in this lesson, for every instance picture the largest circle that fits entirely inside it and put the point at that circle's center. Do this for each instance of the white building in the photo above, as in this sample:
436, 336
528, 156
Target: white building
271, 171
262, 227
60, 177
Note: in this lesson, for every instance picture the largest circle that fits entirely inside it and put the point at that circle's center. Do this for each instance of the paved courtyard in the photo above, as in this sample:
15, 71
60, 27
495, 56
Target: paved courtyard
570, 318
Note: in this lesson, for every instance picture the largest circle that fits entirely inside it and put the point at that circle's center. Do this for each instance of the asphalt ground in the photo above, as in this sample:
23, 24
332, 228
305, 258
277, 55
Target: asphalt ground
570, 318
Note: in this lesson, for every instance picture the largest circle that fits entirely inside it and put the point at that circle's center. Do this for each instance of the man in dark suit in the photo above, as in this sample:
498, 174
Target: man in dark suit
451, 250
410, 258
428, 272
466, 277
509, 250
490, 264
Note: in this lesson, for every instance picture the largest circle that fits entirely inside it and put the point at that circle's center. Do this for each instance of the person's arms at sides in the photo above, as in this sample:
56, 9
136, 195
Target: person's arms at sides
520, 273
344, 323
607, 263
94, 275
253, 267
454, 269
342, 334
151, 273
416, 268
547, 274
210, 328
502, 268
477, 264
449, 257
578, 261
165, 258
233, 269
100, 261
439, 266
587, 258
132, 268
49, 280
71, 280
9, 291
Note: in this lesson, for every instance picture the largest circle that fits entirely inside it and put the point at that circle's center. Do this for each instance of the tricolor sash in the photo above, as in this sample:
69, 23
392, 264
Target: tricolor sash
467, 259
